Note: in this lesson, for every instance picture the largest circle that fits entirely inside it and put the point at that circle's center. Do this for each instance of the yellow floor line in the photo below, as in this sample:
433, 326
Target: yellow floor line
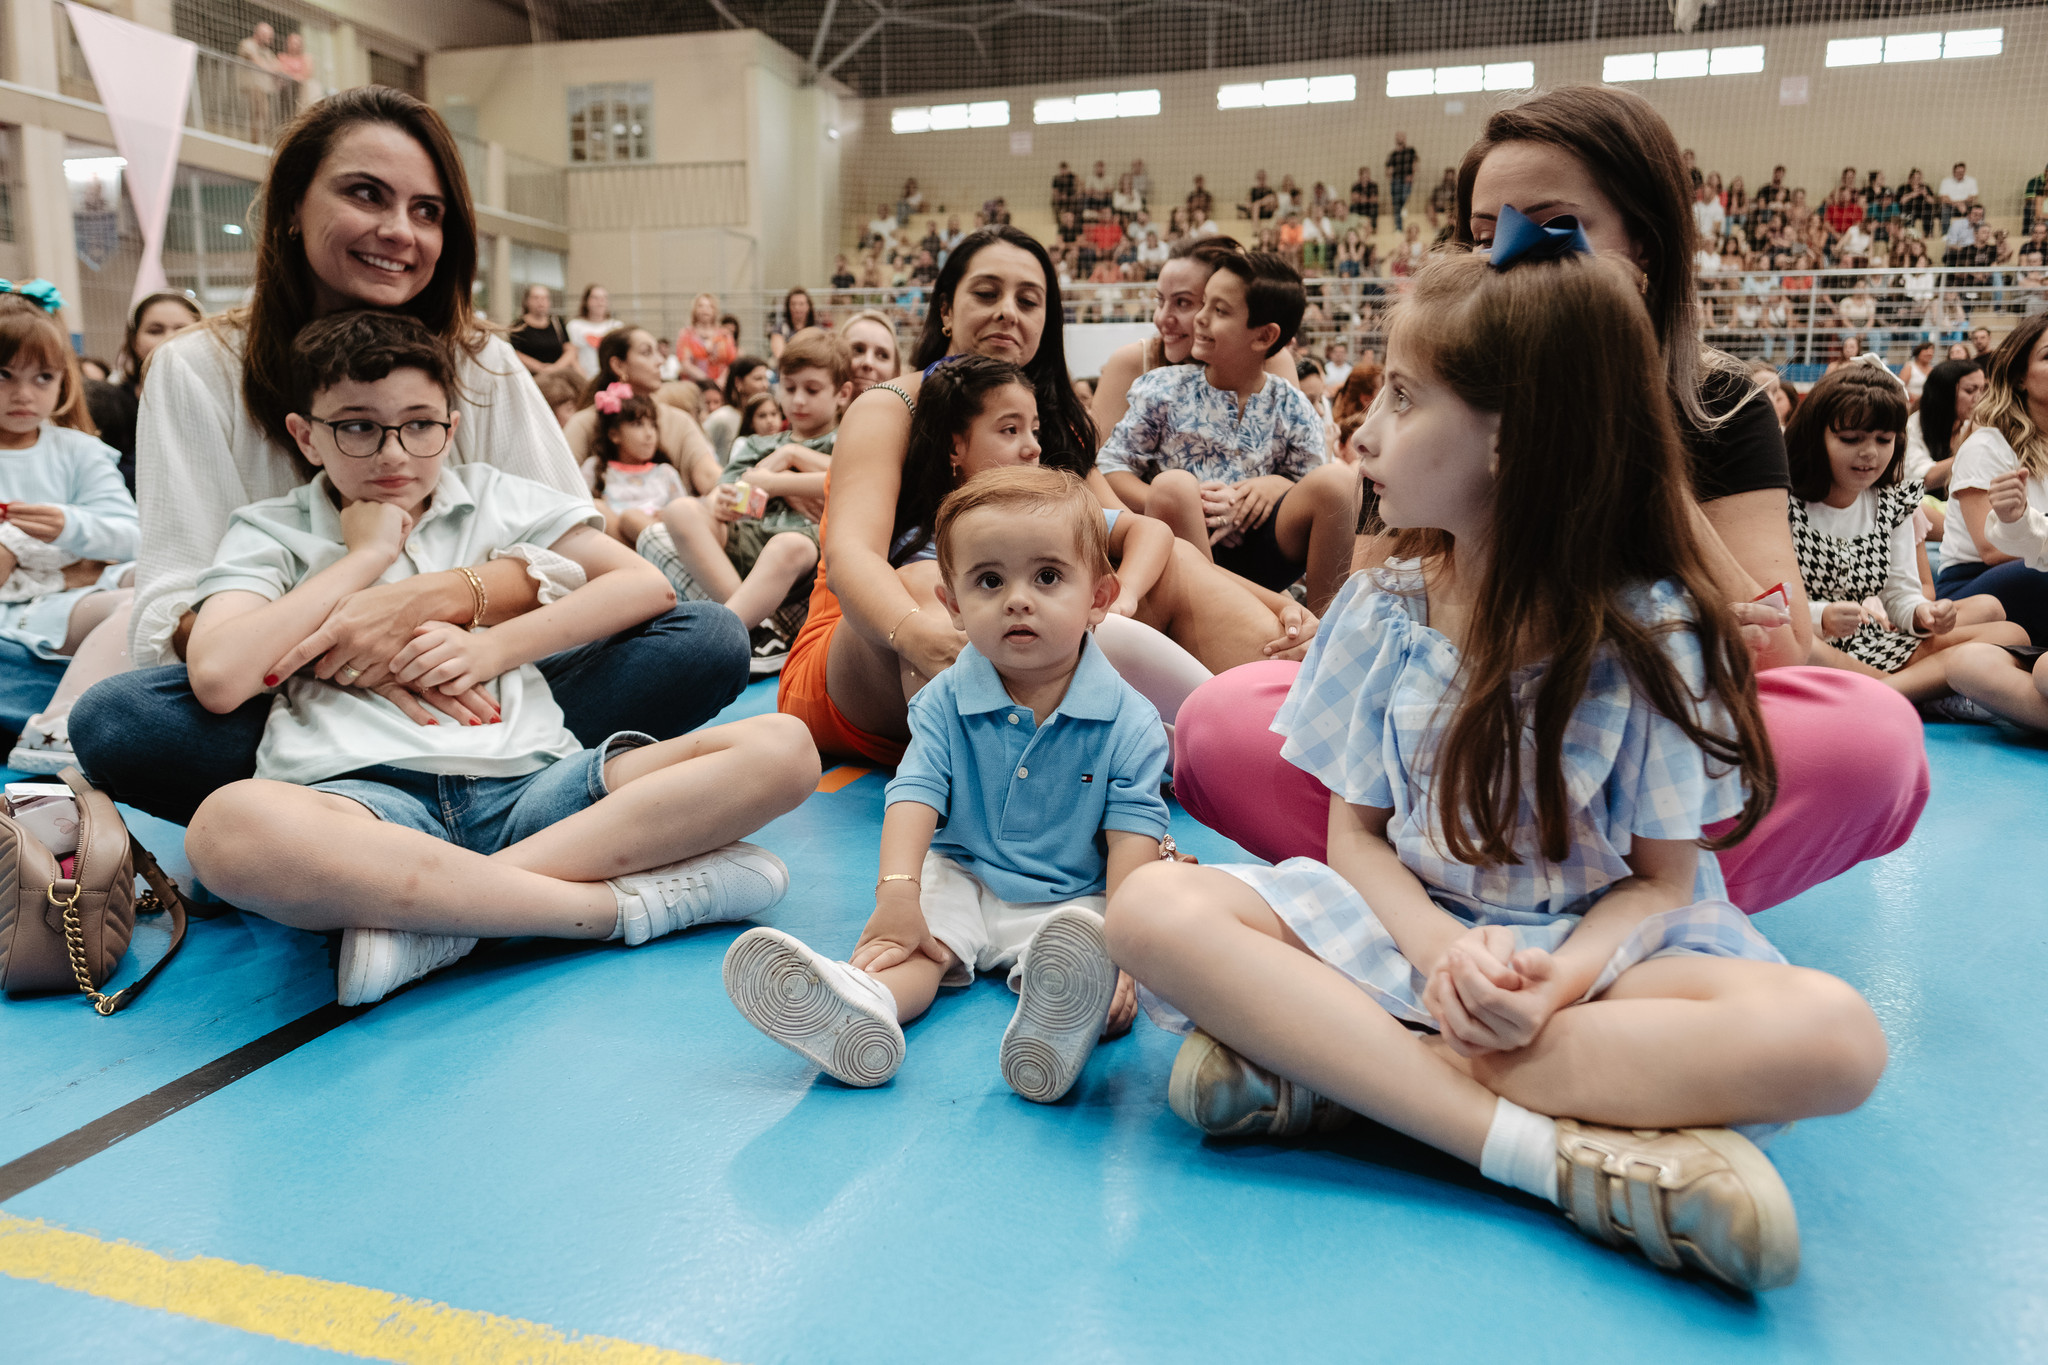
296, 1308
843, 776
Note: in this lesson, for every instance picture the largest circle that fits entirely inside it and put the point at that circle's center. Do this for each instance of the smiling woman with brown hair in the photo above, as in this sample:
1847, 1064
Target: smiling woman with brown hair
366, 206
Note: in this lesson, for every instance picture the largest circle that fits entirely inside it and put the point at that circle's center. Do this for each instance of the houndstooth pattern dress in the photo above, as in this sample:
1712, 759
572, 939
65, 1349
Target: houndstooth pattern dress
1838, 570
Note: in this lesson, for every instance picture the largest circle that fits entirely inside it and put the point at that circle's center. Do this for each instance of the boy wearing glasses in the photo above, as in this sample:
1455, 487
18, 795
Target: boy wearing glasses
416, 834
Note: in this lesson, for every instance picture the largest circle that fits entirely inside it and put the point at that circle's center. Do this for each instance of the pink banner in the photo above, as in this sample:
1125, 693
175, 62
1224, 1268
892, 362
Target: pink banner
145, 82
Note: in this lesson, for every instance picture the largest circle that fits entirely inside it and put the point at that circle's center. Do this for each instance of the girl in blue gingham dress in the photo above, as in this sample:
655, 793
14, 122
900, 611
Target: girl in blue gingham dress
1518, 946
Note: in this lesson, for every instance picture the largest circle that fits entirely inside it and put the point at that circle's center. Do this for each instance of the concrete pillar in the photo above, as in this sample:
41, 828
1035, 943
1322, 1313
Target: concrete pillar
154, 14
351, 58
492, 192
44, 225
504, 301
32, 44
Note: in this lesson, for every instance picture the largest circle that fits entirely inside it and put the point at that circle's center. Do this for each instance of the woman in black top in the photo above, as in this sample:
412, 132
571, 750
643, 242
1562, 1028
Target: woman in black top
540, 339
1852, 766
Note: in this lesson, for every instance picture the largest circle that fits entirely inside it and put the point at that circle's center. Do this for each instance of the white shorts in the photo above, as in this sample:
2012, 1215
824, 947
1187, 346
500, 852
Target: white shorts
984, 932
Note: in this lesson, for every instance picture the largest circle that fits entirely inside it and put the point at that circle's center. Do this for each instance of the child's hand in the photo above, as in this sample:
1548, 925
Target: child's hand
45, 521
474, 707
1839, 620
724, 507
2008, 496
1488, 997
1935, 618
897, 932
1123, 1007
1125, 605
447, 658
379, 526
1756, 621
1297, 630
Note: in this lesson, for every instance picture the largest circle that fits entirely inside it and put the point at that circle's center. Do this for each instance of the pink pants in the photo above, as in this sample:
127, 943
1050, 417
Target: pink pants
1852, 776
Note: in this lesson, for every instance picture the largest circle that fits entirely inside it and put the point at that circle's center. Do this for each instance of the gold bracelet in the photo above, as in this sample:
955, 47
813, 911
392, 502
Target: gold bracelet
895, 877
476, 592
900, 624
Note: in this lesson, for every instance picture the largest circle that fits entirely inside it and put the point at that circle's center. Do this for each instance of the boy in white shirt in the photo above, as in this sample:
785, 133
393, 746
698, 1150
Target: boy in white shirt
415, 837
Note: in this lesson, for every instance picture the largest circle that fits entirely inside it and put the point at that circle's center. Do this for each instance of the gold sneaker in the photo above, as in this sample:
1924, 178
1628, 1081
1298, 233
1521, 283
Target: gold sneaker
1700, 1197
1224, 1095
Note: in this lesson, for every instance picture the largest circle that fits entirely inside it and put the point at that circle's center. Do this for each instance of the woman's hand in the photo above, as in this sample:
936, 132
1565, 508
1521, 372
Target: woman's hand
377, 526
448, 658
45, 521
1840, 620
365, 631
1935, 618
474, 707
1256, 499
1487, 996
2008, 497
1219, 504
928, 642
1297, 631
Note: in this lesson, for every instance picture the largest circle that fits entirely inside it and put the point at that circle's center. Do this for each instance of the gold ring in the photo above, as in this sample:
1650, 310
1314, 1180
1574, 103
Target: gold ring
351, 673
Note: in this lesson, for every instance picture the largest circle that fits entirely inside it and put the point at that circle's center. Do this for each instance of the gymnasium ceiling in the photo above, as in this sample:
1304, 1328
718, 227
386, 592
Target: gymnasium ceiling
900, 47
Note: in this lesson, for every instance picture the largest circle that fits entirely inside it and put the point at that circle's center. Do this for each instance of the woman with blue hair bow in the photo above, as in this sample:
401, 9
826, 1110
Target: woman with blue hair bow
1850, 750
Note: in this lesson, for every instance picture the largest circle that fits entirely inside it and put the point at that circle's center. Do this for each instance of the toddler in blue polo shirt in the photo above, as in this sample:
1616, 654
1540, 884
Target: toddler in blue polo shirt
1030, 789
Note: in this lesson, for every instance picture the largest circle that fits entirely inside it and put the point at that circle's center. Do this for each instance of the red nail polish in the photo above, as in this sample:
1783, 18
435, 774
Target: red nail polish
270, 679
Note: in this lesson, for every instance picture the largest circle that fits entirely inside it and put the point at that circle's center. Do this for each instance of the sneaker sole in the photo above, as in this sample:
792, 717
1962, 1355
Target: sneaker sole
778, 988
43, 761
1776, 1220
1181, 1084
364, 958
1062, 1005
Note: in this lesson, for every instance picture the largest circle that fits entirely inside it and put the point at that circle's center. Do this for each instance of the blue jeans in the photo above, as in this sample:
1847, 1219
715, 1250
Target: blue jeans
146, 739
2022, 591
26, 683
1397, 197
484, 814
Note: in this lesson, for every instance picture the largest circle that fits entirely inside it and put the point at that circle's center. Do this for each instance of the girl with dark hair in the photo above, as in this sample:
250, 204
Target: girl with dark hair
1852, 521
629, 356
1528, 725
797, 313
366, 205
870, 643
2009, 448
1946, 416
1853, 748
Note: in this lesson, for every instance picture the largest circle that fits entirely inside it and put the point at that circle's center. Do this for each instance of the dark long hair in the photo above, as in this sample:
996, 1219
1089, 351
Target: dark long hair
1938, 405
1628, 149
1853, 398
948, 401
282, 295
1592, 503
1065, 431
130, 364
612, 346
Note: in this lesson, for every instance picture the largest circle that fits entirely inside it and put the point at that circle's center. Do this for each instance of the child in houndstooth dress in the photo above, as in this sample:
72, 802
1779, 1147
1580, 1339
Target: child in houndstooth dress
1519, 950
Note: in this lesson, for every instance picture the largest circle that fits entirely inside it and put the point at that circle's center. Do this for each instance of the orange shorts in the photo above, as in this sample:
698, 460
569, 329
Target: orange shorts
803, 693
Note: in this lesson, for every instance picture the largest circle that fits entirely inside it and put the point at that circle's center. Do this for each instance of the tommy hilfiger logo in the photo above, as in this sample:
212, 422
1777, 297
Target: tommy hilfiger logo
1087, 777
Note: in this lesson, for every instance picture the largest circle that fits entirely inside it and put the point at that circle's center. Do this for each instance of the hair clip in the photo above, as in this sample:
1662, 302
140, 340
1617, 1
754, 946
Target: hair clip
612, 397
1517, 238
39, 292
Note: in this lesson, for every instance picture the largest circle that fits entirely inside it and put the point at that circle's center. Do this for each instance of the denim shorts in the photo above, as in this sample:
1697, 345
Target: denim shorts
484, 814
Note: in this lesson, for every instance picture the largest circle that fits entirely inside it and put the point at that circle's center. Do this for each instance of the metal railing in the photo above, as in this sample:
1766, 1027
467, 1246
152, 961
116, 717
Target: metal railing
230, 98
534, 189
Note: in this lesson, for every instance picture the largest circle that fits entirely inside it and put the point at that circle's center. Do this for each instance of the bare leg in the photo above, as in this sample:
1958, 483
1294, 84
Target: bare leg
1316, 526
700, 543
318, 861
631, 523
1208, 612
784, 560
1175, 497
914, 984
1993, 679
1925, 675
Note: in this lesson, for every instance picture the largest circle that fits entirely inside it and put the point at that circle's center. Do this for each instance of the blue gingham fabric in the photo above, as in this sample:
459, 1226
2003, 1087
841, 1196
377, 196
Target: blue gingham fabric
1374, 699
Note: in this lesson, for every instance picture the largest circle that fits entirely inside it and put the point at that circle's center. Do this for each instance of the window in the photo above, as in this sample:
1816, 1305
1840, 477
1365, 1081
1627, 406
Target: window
1085, 108
1682, 64
940, 118
1278, 94
610, 123
1456, 80
1916, 47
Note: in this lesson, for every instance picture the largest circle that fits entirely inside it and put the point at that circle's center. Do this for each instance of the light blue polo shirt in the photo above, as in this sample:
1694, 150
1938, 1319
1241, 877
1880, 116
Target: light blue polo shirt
1024, 805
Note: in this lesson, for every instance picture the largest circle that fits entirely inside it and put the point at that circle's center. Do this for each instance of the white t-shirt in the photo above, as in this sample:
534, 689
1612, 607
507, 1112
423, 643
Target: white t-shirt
1959, 191
1901, 592
1709, 216
199, 456
318, 730
584, 336
1980, 459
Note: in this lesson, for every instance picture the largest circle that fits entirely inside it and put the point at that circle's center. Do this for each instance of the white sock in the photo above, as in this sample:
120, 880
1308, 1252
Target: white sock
1521, 1150
619, 926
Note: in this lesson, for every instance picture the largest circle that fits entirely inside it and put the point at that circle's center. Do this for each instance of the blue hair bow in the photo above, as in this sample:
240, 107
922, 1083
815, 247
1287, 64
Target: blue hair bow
1516, 237
40, 292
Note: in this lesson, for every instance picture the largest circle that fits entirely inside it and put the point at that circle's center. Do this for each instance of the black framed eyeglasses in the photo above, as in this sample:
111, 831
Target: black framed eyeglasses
359, 438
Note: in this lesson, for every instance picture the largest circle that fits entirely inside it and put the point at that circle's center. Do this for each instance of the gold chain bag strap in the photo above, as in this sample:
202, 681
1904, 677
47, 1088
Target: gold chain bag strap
57, 932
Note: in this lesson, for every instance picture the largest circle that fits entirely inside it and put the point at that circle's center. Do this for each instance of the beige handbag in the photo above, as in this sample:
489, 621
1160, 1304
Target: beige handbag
57, 932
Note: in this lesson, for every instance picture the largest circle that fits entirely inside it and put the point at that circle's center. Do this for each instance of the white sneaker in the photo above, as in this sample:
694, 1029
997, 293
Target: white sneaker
1956, 707
1062, 1004
44, 746
830, 1013
376, 962
727, 883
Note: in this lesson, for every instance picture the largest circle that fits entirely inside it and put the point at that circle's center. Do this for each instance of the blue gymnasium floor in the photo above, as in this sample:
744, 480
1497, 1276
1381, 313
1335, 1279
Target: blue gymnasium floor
552, 1153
